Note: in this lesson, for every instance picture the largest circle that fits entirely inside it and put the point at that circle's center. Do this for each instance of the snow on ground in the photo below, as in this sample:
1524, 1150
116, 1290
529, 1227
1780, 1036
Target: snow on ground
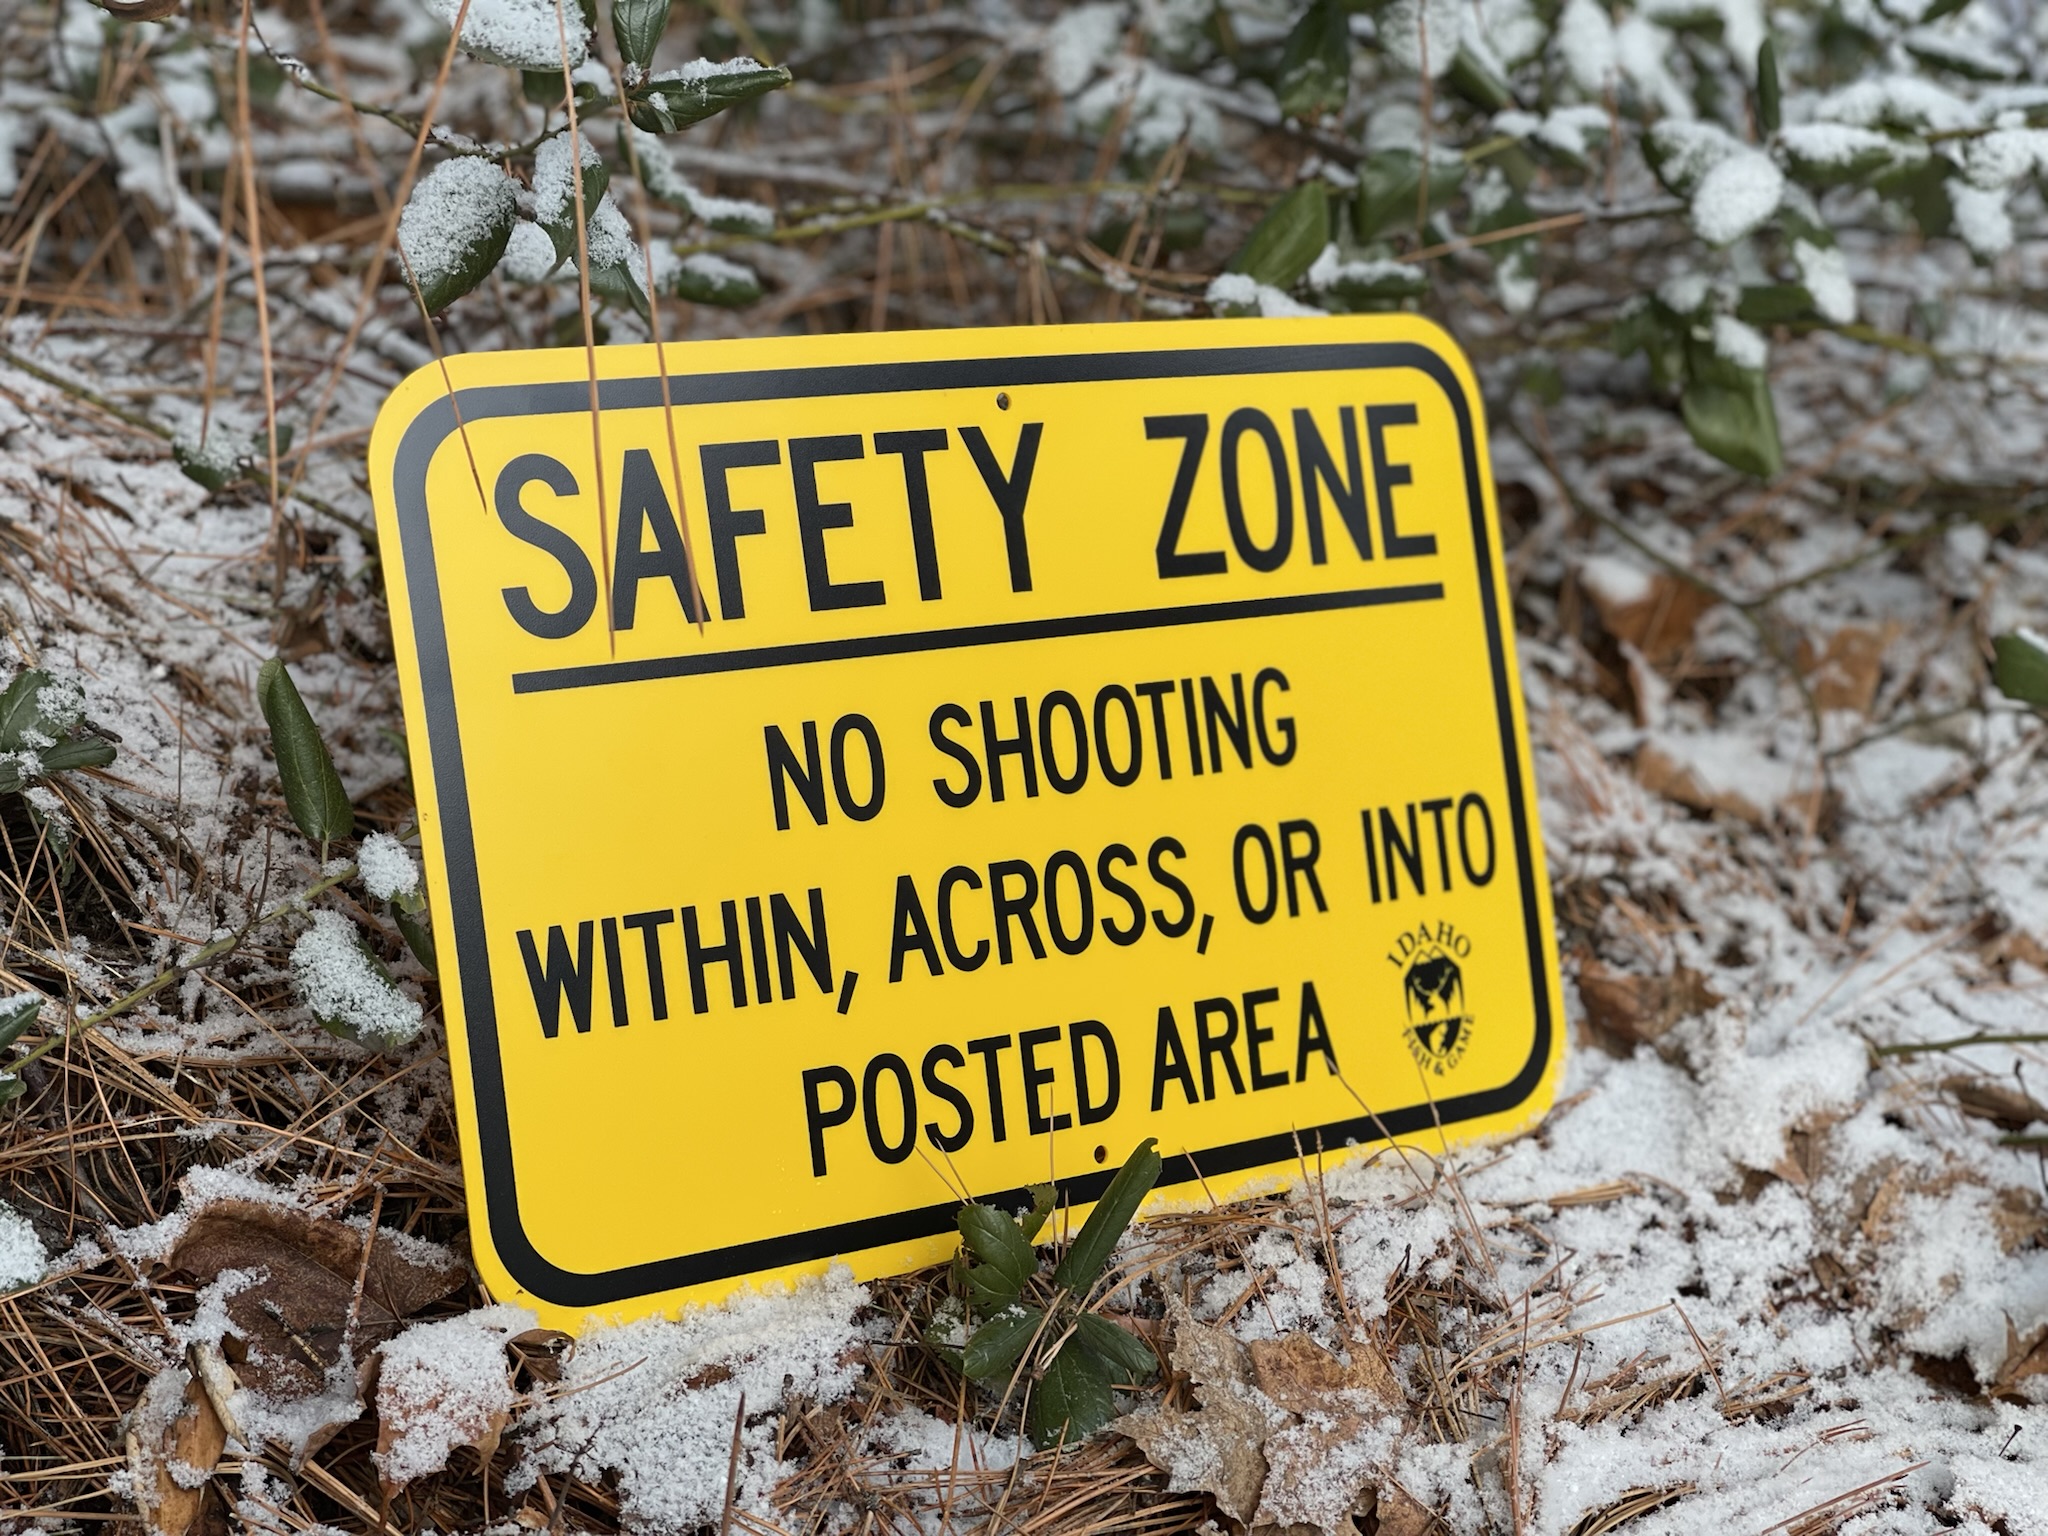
1761, 1265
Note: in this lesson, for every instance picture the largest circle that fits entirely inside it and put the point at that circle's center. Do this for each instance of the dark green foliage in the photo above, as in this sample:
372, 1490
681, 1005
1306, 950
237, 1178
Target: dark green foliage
637, 26
1390, 189
1769, 112
1000, 1342
2020, 668
312, 789
1728, 410
1315, 61
1286, 242
1082, 1266
1074, 1396
1079, 1356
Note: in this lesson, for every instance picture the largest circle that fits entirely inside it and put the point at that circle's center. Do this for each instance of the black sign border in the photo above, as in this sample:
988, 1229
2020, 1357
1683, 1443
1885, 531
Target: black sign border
423, 436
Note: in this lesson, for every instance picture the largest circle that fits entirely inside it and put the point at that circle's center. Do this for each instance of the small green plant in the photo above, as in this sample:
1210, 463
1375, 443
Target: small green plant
349, 989
16, 1014
1043, 1325
41, 734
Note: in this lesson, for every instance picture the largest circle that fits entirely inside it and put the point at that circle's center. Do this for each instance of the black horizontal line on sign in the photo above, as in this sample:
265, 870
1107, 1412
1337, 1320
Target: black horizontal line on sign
599, 674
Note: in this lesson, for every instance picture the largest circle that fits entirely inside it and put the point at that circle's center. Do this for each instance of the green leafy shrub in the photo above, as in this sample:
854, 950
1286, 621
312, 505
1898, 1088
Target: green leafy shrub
463, 220
1033, 1323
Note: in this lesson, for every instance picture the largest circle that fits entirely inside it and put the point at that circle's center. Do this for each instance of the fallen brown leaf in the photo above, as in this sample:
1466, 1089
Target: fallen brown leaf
2005, 1105
1654, 611
1271, 1440
1642, 1009
1844, 672
292, 1323
175, 1442
2024, 1357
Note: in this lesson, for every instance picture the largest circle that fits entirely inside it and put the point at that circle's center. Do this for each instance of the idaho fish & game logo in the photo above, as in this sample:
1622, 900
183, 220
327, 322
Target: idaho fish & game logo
1439, 1027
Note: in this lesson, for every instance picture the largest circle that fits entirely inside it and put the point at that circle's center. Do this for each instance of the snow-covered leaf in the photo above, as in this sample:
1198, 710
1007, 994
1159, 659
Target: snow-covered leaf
521, 34
676, 98
707, 278
454, 228
348, 988
17, 1013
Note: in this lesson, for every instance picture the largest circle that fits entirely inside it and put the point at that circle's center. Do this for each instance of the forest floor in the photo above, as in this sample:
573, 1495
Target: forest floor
1777, 1261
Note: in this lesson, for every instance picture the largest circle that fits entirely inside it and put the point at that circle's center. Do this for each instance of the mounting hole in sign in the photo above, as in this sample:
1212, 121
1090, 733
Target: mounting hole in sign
1102, 1154
1003, 401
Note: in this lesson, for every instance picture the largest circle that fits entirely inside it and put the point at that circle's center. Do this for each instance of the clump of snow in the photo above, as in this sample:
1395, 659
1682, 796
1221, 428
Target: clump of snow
23, 1259
1240, 293
339, 981
444, 1384
1983, 220
1740, 343
1824, 272
1080, 42
529, 255
554, 178
1896, 101
455, 209
1422, 36
521, 34
654, 1402
387, 868
1586, 44
1736, 195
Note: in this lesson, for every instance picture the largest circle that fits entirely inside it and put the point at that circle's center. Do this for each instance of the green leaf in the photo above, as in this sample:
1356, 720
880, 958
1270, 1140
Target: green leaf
1072, 1399
16, 1014
1390, 189
1179, 227
11, 1088
1475, 80
679, 97
1315, 61
20, 710
1941, 8
1043, 1198
1773, 304
1113, 1212
559, 222
1729, 412
1286, 242
2020, 667
1129, 1357
999, 1343
706, 278
85, 752
637, 25
418, 934
312, 789
1007, 1259
619, 283
1768, 111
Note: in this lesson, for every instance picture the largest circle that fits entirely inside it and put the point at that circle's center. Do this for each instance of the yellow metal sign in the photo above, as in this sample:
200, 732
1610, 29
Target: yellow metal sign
861, 771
